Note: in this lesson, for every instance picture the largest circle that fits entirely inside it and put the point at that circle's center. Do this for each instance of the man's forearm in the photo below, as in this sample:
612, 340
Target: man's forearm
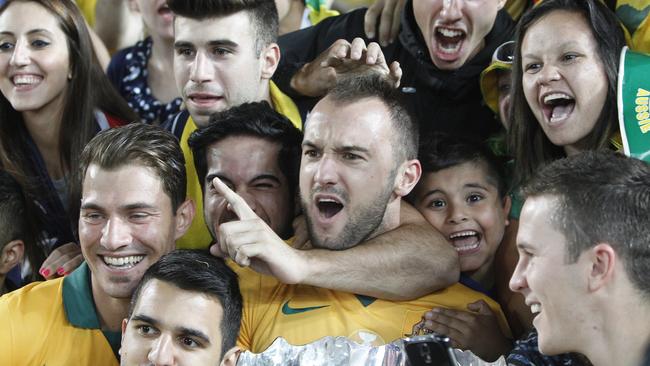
405, 263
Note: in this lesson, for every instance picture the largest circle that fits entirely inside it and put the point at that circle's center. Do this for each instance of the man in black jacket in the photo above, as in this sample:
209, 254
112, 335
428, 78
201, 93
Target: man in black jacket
443, 46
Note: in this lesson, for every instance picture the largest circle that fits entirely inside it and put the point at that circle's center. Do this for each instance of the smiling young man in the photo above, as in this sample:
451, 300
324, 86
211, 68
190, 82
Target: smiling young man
224, 55
584, 259
442, 48
352, 178
133, 208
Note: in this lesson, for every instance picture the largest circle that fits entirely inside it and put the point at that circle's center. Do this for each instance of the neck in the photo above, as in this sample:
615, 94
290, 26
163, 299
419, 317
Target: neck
110, 310
484, 275
571, 150
391, 218
621, 340
162, 51
3, 285
44, 126
292, 21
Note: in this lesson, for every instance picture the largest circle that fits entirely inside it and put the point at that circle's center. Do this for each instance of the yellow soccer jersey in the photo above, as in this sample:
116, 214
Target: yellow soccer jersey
54, 323
198, 236
303, 314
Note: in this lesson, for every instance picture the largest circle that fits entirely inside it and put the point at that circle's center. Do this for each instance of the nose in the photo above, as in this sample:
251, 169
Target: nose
451, 9
162, 351
518, 282
21, 55
549, 73
325, 171
116, 234
456, 214
200, 70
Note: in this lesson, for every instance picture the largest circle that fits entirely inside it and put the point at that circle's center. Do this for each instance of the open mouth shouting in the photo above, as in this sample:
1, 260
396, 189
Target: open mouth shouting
328, 206
557, 106
122, 263
449, 42
165, 12
466, 242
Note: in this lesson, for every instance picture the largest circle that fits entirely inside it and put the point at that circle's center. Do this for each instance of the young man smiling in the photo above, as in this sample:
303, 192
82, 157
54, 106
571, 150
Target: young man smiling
133, 208
584, 258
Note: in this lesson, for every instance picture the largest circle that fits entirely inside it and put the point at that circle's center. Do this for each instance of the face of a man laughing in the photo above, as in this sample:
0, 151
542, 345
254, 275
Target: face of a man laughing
124, 230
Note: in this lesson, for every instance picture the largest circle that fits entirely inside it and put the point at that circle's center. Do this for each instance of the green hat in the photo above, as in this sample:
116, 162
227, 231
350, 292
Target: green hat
490, 84
501, 60
634, 103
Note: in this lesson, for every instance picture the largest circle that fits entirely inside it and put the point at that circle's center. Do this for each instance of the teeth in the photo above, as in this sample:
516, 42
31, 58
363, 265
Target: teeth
449, 32
555, 96
26, 79
466, 247
536, 308
127, 262
462, 234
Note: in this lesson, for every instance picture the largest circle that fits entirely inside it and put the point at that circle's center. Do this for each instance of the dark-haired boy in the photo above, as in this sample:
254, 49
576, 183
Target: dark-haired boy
462, 193
13, 229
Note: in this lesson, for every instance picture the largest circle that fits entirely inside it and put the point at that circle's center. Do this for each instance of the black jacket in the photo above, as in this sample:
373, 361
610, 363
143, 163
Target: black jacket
442, 101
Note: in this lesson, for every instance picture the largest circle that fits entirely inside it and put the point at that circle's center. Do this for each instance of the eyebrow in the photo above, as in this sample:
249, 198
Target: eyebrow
561, 46
266, 176
222, 42
131, 206
181, 330
348, 148
33, 31
475, 185
210, 177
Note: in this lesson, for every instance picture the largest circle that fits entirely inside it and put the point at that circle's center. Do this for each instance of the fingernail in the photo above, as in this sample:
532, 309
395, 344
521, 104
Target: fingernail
45, 272
60, 271
371, 35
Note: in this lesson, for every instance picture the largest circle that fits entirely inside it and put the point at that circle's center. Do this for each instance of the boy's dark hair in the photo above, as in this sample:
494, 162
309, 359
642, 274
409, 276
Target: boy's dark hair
199, 271
374, 85
263, 15
601, 197
256, 119
444, 151
13, 223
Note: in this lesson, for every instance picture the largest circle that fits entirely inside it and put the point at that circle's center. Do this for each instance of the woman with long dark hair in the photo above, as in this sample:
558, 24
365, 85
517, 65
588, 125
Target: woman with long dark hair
55, 98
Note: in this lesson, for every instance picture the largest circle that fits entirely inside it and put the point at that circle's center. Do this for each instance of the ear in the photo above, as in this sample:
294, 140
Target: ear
501, 4
231, 357
507, 204
125, 321
602, 259
184, 215
407, 177
269, 59
12, 254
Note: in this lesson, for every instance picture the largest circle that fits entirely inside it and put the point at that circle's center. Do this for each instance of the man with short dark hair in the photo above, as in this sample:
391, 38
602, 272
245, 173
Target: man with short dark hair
133, 208
186, 310
584, 258
352, 178
224, 55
